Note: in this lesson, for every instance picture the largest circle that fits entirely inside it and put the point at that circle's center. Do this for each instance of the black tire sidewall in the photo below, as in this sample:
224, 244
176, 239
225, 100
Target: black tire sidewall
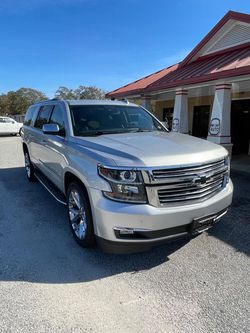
89, 239
32, 177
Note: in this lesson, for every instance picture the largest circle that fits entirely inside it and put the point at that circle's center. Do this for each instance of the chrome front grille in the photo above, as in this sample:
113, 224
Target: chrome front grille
187, 184
187, 171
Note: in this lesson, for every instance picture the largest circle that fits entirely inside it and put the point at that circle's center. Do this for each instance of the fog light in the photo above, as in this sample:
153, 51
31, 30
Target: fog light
126, 231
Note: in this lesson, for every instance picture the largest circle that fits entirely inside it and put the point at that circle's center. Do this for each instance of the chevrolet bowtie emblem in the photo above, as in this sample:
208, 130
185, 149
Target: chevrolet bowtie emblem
200, 180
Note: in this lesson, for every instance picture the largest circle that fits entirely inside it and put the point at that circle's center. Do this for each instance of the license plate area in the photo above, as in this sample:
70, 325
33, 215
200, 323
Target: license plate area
204, 223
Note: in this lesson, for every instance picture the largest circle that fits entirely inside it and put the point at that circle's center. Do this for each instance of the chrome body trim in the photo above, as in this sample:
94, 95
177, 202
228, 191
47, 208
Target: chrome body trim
53, 195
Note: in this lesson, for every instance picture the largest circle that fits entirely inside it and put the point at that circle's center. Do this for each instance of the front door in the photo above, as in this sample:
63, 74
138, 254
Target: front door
201, 121
53, 155
240, 126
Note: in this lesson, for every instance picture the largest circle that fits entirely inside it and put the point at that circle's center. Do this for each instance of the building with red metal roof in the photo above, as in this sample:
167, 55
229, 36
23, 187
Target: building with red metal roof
208, 93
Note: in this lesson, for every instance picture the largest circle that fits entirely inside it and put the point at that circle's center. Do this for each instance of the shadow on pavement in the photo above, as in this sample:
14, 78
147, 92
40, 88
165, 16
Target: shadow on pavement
234, 228
36, 244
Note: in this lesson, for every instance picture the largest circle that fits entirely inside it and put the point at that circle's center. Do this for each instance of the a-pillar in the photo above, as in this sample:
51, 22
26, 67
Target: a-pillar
146, 102
220, 123
180, 116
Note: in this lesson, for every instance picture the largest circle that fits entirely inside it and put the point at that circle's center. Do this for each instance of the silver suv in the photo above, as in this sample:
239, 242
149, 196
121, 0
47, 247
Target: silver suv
127, 181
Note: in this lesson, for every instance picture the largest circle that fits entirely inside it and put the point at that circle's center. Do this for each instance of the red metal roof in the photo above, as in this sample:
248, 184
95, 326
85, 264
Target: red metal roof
141, 84
234, 62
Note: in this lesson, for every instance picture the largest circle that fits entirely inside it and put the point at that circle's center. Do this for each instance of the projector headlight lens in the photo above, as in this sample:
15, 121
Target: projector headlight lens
126, 185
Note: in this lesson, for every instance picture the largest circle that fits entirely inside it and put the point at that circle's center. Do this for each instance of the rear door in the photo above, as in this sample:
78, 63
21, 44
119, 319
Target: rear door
39, 140
14, 128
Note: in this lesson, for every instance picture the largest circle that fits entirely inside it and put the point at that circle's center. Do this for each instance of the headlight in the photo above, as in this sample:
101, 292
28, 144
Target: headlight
126, 185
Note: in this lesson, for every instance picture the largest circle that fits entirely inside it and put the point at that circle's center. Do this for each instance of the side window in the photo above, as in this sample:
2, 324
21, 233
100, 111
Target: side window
43, 116
57, 117
6, 120
29, 115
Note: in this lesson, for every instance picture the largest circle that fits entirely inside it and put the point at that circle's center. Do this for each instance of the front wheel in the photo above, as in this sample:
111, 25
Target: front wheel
29, 168
80, 216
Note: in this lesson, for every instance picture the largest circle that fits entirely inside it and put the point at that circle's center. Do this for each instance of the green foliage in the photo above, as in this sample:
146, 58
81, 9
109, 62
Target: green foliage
65, 93
17, 102
82, 92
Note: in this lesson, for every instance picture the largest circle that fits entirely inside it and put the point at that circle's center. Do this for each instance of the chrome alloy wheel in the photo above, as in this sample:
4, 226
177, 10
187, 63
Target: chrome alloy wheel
77, 214
27, 165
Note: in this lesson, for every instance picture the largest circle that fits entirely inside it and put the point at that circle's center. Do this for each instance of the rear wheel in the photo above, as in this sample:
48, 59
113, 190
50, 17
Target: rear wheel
29, 168
80, 216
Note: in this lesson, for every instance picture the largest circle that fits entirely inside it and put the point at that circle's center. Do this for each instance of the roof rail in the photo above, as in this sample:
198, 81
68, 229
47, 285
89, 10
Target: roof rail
120, 100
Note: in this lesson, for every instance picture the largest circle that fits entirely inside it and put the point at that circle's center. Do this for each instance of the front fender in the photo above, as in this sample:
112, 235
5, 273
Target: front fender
87, 173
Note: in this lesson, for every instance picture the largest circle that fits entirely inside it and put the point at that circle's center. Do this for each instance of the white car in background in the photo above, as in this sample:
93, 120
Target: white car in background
9, 126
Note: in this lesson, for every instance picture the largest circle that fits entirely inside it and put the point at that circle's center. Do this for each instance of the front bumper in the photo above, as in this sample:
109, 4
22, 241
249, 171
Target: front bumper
154, 225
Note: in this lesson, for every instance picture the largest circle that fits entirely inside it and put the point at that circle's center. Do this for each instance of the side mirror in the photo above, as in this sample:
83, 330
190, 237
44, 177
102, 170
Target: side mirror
51, 129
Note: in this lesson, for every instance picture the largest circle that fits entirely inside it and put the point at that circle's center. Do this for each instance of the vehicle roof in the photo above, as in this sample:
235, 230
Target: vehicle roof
98, 102
88, 102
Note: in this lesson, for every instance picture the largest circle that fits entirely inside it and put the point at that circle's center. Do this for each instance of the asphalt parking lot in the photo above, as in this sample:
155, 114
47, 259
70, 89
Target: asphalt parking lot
49, 284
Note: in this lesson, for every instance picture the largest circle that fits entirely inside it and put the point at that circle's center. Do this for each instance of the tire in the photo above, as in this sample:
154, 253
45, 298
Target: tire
80, 216
29, 168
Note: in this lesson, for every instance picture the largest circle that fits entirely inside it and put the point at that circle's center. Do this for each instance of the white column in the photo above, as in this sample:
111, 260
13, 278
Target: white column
220, 123
146, 102
180, 116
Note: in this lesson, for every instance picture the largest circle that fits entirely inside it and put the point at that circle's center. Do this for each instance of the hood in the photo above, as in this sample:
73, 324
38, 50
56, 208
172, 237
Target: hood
151, 149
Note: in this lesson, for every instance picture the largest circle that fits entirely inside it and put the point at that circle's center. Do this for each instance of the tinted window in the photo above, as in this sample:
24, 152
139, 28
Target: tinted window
43, 116
9, 120
3, 120
57, 117
29, 115
101, 119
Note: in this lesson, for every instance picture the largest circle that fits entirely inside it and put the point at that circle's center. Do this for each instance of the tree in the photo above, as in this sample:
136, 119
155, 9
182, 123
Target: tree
65, 93
82, 92
17, 102
91, 92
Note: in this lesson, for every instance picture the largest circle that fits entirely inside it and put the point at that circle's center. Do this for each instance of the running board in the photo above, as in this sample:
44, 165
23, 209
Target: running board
50, 187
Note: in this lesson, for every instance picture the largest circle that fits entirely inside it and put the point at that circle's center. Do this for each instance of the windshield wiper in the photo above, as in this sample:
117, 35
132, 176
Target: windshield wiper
137, 130
97, 133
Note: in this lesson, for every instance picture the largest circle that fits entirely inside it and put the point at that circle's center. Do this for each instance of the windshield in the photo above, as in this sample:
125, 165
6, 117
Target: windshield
107, 119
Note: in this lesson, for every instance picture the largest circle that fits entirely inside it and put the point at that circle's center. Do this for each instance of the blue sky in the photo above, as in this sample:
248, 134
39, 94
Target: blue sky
107, 43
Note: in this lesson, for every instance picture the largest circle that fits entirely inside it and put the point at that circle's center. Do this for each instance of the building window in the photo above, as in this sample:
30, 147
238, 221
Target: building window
168, 117
201, 121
